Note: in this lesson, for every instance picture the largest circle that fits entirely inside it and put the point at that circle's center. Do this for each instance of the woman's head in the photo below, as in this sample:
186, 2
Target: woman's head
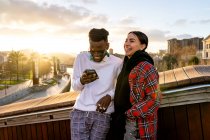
135, 41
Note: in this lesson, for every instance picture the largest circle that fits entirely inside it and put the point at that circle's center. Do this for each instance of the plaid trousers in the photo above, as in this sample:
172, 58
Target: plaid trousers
89, 125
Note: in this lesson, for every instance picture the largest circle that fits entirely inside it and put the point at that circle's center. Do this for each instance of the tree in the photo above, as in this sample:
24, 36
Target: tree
194, 61
170, 61
44, 67
54, 66
14, 57
58, 65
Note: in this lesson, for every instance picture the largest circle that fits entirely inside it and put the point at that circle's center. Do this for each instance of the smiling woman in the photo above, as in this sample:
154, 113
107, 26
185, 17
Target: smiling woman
43, 44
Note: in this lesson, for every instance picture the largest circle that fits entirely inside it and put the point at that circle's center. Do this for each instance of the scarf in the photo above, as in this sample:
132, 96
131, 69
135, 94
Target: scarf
122, 91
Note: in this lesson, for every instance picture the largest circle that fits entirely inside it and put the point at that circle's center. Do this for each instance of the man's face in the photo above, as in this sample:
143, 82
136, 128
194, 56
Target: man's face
98, 50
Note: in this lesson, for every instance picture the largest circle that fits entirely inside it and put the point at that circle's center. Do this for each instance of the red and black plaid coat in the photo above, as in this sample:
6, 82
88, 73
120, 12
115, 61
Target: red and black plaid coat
145, 99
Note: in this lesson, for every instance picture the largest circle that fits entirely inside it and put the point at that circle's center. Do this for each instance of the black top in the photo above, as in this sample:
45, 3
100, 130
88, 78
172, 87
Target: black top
122, 91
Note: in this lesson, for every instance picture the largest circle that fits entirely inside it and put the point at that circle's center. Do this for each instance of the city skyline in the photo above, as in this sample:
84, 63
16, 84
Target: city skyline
63, 25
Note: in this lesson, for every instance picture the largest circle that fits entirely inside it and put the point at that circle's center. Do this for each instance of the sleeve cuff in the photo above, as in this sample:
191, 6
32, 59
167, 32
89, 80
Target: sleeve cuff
112, 95
78, 86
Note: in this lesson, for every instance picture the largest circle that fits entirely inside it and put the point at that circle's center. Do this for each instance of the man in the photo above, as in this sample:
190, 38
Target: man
94, 76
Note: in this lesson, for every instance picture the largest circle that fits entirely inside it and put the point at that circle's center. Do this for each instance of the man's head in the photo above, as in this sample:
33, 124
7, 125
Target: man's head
99, 44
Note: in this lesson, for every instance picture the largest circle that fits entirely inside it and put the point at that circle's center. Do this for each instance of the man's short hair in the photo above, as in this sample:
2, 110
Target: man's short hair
98, 34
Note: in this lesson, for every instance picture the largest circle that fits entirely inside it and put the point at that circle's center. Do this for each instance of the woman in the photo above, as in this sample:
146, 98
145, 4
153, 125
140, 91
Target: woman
136, 96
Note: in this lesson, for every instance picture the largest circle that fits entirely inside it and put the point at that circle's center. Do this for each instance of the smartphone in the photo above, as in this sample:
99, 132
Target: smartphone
91, 71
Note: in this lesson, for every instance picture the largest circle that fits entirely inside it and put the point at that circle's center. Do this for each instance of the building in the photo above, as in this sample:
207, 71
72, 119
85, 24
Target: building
3, 57
111, 51
206, 50
63, 67
186, 49
174, 44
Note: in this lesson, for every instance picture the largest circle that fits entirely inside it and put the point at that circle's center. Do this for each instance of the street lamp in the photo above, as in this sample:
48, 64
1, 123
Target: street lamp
35, 72
5, 82
5, 88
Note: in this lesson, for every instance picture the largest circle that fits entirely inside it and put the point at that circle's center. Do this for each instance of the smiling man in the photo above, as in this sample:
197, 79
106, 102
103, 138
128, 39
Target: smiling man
94, 76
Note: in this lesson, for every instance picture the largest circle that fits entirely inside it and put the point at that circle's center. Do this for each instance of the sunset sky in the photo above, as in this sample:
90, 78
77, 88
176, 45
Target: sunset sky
63, 25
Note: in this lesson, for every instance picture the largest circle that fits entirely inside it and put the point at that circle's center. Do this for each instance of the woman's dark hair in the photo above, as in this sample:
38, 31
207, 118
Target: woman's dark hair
98, 34
142, 37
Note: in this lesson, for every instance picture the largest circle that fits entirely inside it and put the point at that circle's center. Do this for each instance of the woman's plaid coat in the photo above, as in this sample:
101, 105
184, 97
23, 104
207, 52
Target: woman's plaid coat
145, 99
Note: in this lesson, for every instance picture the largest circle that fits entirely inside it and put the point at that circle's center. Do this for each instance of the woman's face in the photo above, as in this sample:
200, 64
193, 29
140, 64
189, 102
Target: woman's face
132, 44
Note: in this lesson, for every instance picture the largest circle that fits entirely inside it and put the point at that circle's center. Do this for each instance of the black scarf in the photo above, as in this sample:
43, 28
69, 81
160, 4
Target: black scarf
122, 91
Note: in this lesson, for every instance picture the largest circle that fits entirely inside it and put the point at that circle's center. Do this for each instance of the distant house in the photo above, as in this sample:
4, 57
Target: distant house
3, 57
206, 48
174, 44
185, 49
64, 67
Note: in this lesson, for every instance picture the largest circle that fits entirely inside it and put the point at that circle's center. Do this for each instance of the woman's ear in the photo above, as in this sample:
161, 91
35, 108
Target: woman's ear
142, 46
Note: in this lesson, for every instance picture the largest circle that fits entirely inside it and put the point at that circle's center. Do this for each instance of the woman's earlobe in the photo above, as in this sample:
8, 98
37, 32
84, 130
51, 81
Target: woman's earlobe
143, 46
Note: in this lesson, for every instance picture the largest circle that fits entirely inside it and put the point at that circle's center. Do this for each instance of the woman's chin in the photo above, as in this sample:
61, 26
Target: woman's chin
127, 54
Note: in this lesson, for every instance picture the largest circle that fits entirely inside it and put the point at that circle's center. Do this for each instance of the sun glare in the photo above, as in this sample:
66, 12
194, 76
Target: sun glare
44, 44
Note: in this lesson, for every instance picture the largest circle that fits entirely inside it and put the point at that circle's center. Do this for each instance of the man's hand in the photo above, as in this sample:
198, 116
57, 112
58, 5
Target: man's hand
103, 104
88, 77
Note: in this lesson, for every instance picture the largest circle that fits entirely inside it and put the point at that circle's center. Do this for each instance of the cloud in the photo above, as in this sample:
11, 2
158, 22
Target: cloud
28, 15
65, 1
10, 32
127, 20
180, 22
87, 1
203, 21
206, 21
156, 35
183, 36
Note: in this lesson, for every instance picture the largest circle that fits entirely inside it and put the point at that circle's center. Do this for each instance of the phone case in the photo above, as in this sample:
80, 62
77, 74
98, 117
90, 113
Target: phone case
91, 71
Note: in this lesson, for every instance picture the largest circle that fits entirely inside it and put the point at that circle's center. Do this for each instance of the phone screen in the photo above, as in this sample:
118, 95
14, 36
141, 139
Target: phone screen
91, 71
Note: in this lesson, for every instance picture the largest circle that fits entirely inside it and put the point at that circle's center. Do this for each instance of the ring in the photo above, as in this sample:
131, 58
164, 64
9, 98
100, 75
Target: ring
104, 108
99, 105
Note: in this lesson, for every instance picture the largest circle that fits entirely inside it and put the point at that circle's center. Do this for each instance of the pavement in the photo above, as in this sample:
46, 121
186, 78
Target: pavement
15, 88
44, 93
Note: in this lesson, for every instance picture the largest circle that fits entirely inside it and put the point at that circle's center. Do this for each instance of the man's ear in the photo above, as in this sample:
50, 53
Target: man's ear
107, 46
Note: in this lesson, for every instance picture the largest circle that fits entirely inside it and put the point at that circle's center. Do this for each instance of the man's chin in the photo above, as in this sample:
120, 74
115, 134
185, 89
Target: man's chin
97, 59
